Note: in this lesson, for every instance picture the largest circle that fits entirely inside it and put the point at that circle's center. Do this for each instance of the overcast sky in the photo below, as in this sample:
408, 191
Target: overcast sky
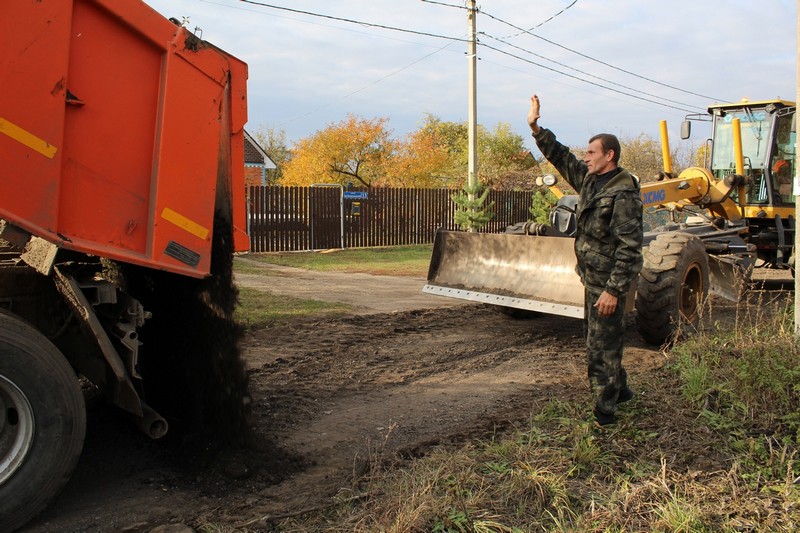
618, 66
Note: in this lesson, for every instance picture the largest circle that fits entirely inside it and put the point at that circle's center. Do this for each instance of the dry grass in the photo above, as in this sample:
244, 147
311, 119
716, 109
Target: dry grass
259, 309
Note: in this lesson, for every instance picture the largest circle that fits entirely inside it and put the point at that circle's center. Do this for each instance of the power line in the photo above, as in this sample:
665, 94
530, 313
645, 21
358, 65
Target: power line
586, 81
375, 82
348, 95
262, 12
445, 4
661, 101
392, 28
352, 21
590, 74
541, 23
556, 78
528, 31
598, 60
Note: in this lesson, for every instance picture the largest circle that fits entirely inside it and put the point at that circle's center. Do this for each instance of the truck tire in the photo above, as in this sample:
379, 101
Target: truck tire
42, 421
672, 287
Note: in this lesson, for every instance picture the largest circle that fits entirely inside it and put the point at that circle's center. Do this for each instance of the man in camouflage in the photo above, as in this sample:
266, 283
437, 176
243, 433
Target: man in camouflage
608, 247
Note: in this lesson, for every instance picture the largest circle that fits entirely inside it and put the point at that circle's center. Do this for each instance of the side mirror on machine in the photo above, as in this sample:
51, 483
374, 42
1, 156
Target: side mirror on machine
686, 129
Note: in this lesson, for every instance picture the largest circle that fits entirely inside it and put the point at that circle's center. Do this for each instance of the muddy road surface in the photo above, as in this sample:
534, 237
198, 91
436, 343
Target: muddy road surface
396, 377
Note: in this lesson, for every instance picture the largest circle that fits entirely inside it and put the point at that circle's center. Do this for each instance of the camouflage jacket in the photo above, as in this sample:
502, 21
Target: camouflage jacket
608, 244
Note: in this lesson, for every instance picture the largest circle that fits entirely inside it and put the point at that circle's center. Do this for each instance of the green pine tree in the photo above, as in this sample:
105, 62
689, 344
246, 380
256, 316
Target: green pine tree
471, 213
542, 203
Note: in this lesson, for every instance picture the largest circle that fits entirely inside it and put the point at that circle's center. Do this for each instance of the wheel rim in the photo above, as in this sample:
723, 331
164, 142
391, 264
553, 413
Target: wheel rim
16, 428
691, 291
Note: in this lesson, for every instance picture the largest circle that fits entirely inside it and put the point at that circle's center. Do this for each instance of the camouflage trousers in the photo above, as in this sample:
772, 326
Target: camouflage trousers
604, 343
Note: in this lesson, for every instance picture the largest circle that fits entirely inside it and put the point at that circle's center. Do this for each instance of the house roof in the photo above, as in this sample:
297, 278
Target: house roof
254, 155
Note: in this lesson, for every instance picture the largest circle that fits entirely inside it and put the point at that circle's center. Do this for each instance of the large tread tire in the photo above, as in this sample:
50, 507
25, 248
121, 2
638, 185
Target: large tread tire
672, 287
42, 424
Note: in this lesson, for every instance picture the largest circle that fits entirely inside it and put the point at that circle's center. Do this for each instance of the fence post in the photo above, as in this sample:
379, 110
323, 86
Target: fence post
416, 216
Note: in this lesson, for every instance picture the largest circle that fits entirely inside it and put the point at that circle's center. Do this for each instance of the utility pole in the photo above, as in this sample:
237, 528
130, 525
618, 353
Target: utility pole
472, 178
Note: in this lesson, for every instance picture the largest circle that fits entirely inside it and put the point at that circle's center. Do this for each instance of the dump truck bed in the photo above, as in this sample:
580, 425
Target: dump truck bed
118, 130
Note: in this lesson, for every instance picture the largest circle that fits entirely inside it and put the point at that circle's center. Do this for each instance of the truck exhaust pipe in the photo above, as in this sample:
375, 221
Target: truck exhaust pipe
151, 423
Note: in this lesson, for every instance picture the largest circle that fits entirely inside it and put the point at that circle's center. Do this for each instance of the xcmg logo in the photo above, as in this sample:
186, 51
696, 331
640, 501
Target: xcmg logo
654, 197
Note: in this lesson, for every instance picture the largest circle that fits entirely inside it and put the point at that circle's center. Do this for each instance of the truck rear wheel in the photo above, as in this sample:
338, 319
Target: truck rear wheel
42, 422
672, 287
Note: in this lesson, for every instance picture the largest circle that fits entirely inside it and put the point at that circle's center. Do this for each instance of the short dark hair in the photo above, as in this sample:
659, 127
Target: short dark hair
608, 142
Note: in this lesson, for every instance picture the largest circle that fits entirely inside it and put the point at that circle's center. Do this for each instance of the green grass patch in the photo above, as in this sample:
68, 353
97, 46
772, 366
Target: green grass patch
259, 309
744, 383
391, 260
244, 267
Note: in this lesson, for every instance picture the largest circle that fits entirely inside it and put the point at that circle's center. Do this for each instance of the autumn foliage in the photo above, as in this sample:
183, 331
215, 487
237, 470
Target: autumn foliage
362, 153
352, 151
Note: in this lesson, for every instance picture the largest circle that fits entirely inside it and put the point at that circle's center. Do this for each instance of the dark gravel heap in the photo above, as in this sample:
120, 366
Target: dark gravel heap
190, 361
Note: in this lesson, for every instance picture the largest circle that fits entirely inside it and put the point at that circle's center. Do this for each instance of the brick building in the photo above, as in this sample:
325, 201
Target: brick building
256, 162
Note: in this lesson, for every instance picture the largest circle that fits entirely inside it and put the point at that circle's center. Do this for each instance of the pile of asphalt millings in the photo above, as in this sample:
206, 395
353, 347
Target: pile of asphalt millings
190, 361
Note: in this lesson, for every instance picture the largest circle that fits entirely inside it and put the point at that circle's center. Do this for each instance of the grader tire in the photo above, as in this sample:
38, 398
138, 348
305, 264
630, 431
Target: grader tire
42, 422
673, 286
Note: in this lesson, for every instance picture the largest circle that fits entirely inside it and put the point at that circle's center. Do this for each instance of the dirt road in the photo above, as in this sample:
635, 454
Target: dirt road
329, 397
367, 293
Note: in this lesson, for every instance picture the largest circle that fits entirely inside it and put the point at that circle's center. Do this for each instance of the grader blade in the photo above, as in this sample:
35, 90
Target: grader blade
519, 271
728, 276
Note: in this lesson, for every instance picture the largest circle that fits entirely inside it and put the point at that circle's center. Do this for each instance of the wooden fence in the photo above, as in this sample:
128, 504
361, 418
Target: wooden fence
323, 217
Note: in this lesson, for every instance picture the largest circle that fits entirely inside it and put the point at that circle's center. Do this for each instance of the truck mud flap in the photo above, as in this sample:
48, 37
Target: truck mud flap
519, 271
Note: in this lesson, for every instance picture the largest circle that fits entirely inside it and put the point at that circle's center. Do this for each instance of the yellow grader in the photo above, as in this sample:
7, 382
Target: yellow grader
731, 215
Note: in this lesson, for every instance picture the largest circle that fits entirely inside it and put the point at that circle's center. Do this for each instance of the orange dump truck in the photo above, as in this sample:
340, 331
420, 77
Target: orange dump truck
121, 204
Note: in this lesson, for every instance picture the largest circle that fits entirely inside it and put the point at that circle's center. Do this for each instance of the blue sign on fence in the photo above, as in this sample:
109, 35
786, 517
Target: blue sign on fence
355, 195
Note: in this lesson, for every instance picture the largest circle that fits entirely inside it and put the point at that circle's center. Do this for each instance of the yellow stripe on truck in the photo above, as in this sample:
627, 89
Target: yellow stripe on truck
27, 138
182, 222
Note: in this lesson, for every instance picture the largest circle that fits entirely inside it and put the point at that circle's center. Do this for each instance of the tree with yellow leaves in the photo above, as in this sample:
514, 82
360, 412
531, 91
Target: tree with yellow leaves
421, 160
361, 152
353, 151
503, 160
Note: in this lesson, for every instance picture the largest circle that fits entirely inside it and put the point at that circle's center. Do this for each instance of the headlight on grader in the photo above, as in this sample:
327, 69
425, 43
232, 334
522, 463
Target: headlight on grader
548, 180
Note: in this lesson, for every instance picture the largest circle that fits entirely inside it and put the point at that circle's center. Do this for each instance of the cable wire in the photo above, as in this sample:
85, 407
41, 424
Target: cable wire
375, 82
447, 5
590, 74
584, 80
522, 30
352, 21
541, 23
661, 101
